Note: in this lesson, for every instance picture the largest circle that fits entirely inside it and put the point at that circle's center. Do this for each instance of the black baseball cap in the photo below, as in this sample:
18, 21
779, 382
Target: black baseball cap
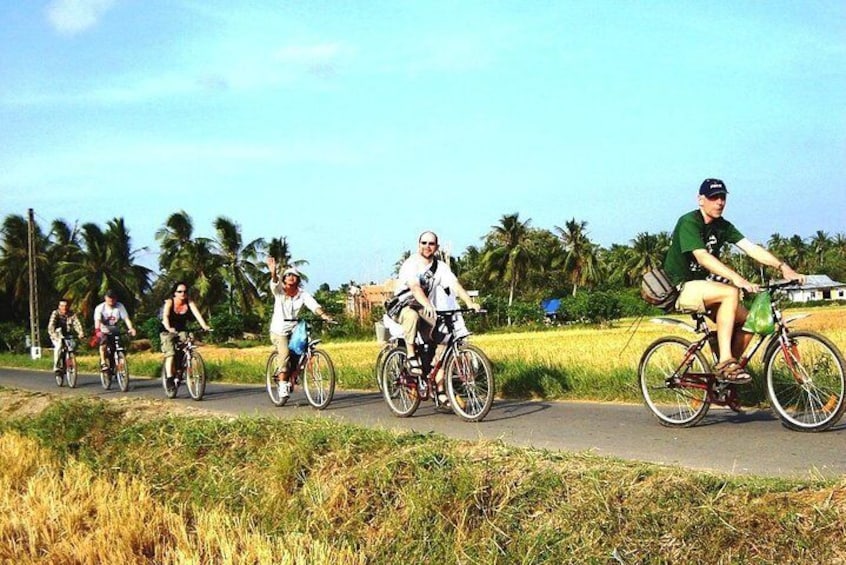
712, 187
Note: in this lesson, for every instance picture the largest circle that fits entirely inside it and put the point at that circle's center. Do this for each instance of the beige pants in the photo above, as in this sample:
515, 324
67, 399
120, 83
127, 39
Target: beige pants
282, 351
411, 321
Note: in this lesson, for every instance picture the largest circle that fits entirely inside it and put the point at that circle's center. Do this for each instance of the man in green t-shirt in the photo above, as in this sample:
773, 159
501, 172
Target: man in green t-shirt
693, 264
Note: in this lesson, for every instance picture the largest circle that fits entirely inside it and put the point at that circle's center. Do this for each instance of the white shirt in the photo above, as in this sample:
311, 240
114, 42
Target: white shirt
286, 308
415, 268
109, 316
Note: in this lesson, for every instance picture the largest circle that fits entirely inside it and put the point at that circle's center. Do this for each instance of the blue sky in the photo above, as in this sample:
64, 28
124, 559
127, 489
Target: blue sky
350, 127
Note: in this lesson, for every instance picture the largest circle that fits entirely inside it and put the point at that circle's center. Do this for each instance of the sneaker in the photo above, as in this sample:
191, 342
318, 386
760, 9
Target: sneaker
284, 389
170, 384
104, 367
58, 372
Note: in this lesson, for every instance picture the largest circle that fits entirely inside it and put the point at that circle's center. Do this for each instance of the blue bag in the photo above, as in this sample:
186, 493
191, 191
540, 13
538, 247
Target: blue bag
298, 341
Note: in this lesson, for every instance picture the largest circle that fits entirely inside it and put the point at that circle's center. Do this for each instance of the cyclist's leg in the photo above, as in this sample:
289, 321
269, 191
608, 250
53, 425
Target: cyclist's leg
169, 349
280, 341
57, 352
722, 300
103, 340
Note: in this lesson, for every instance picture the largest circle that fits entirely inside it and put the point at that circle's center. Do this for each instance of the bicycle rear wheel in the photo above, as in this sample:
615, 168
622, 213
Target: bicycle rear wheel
71, 370
380, 366
122, 371
319, 379
399, 388
806, 381
470, 383
272, 380
675, 400
195, 376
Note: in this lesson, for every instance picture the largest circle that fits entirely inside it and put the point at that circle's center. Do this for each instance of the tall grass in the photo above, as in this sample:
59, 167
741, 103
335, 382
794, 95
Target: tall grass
568, 363
175, 490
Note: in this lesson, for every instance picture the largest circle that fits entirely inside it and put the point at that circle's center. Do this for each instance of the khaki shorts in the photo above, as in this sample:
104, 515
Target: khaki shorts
692, 297
169, 342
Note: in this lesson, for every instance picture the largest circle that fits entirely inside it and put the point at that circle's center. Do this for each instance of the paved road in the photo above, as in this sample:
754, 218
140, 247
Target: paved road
753, 443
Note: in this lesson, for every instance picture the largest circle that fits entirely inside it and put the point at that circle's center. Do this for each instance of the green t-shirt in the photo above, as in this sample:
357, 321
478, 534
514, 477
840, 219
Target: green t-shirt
692, 233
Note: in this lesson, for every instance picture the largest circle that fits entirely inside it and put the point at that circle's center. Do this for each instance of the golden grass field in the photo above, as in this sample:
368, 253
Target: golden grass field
588, 363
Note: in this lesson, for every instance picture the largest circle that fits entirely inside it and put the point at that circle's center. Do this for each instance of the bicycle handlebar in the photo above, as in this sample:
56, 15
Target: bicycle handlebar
460, 311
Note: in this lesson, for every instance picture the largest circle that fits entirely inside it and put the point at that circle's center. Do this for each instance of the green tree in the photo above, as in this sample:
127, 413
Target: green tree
580, 254
106, 260
14, 264
239, 265
508, 257
184, 257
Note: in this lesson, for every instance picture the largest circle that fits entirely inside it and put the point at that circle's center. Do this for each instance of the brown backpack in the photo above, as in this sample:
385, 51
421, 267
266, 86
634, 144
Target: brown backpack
657, 289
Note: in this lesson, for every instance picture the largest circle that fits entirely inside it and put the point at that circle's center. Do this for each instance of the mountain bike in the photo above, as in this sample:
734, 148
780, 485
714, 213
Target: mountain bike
116, 362
67, 363
188, 368
468, 376
805, 374
316, 368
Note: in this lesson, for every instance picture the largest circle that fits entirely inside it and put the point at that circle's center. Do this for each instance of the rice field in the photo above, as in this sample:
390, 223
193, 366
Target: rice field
586, 363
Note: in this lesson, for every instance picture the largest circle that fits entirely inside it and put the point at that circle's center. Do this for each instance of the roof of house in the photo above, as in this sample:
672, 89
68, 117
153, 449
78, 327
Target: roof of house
816, 282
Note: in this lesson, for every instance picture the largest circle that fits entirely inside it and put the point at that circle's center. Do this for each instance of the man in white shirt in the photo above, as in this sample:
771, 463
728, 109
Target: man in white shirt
423, 275
107, 317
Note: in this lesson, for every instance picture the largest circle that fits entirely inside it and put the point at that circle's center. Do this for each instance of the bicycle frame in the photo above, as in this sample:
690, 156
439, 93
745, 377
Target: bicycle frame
724, 393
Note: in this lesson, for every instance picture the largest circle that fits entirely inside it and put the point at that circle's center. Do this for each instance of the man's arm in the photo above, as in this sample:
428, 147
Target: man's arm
77, 325
717, 267
51, 325
766, 258
125, 316
462, 294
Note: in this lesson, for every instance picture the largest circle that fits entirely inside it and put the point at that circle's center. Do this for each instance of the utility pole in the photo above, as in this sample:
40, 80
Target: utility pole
34, 332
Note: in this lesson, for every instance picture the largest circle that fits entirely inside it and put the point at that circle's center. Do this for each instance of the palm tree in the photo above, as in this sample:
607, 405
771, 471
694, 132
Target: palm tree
509, 257
795, 252
820, 243
580, 258
14, 263
238, 264
186, 258
648, 252
279, 249
106, 260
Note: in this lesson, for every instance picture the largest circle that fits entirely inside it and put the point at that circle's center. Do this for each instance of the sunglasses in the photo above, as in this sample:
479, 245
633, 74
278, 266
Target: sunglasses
430, 243
181, 291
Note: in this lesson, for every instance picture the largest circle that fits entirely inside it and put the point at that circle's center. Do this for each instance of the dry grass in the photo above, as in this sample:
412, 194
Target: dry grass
56, 513
139, 488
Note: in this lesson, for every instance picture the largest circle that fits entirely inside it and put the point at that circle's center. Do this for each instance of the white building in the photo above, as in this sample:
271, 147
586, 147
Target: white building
817, 287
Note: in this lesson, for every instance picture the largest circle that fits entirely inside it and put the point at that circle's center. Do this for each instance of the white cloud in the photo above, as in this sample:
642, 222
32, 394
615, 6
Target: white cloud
74, 16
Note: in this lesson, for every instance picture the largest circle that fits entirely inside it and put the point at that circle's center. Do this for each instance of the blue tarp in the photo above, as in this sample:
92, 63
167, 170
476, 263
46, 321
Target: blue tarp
550, 305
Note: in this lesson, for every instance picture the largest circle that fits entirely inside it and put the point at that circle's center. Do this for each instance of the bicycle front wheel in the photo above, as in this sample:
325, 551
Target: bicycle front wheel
106, 378
399, 388
195, 376
170, 391
71, 370
806, 380
319, 379
470, 383
122, 371
60, 375
677, 400
272, 379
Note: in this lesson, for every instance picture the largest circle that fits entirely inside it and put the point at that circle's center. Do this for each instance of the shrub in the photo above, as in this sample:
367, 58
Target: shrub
12, 337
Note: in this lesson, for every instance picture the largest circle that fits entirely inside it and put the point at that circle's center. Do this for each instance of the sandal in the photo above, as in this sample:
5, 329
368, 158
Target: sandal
414, 366
731, 372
